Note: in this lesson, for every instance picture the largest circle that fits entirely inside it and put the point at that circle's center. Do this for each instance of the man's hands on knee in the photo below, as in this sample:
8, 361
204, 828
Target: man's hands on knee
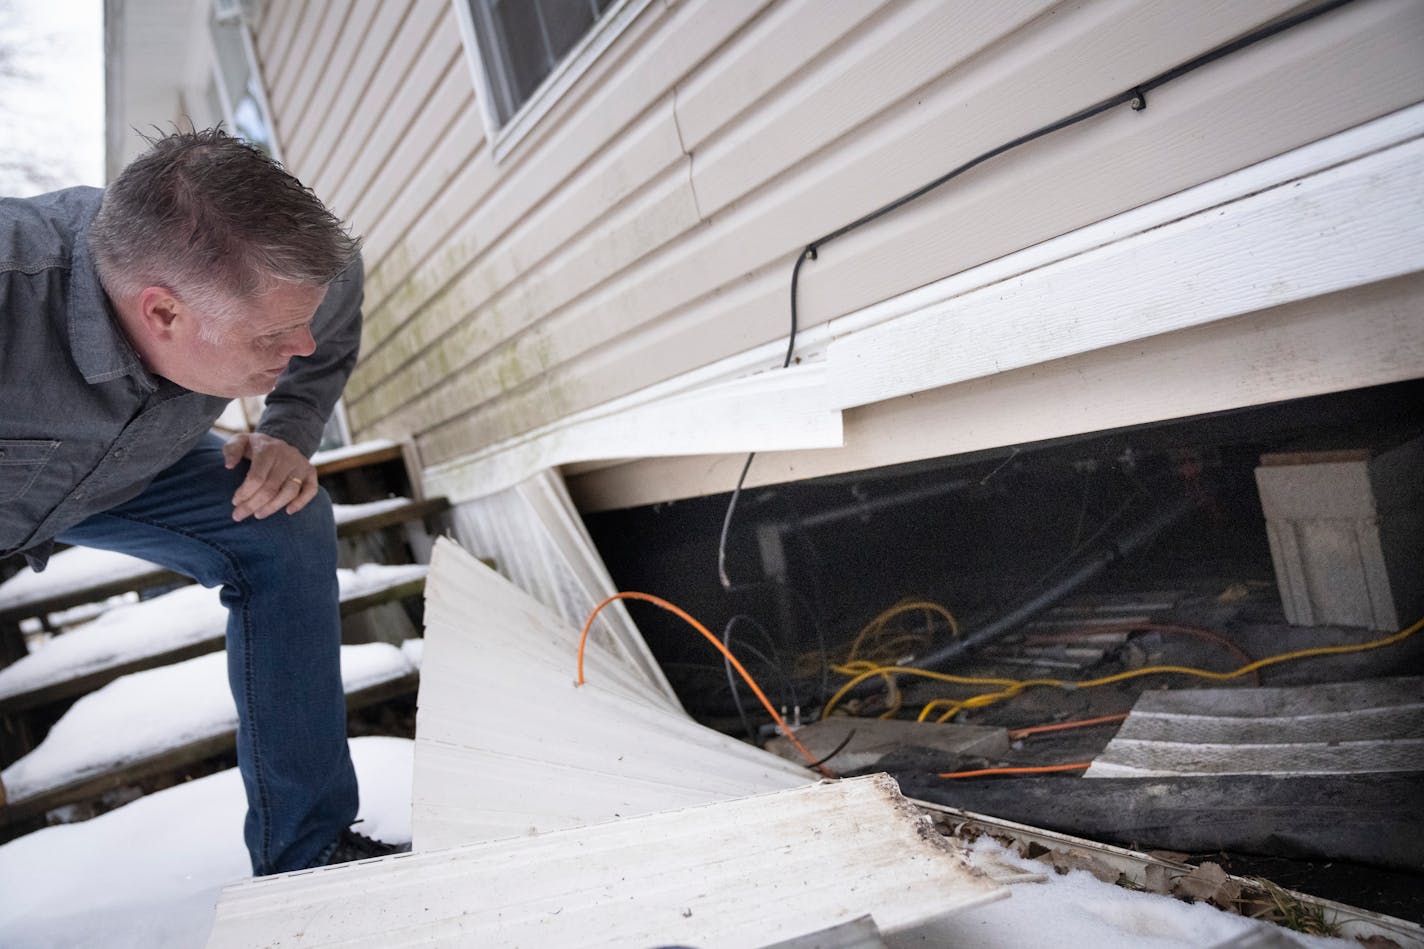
280, 476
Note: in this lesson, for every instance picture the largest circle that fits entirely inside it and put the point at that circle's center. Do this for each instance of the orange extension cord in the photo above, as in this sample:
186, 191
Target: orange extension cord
1041, 769
1016, 733
681, 614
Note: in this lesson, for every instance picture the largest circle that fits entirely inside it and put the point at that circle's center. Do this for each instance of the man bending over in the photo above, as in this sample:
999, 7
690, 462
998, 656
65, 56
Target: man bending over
129, 317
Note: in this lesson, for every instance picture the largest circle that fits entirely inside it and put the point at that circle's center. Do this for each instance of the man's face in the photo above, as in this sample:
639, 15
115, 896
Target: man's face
247, 355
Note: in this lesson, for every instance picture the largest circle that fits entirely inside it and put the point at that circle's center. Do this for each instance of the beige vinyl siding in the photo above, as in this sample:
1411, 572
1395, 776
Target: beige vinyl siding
278, 36
648, 223
313, 142
310, 110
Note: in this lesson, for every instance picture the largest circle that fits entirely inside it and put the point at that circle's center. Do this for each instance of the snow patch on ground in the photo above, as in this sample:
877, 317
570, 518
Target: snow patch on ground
1077, 909
148, 875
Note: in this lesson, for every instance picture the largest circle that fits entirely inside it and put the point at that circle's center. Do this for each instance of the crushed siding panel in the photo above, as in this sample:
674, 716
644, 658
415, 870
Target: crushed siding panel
491, 763
742, 873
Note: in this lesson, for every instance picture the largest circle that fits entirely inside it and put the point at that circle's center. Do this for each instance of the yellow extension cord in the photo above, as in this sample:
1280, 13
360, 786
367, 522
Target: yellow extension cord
860, 670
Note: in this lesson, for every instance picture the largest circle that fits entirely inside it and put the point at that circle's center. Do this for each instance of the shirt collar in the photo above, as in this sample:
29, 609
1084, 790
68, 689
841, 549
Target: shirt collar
101, 351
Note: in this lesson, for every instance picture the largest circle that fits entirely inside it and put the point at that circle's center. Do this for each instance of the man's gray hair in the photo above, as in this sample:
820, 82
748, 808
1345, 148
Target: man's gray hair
216, 221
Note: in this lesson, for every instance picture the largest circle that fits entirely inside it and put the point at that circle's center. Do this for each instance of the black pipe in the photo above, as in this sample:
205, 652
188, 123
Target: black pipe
875, 505
1125, 544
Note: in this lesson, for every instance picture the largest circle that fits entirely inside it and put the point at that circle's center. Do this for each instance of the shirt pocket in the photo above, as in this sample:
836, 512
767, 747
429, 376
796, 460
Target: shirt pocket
21, 462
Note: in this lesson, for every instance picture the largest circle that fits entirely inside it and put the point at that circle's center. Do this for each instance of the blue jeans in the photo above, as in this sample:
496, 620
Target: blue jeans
278, 579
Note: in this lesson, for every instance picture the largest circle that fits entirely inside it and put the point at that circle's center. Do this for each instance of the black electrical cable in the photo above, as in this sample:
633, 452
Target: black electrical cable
774, 661
732, 682
837, 750
1136, 97
810, 252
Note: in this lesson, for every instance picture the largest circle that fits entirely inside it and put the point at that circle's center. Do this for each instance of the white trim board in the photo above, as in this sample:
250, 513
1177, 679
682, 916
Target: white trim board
1337, 229
780, 410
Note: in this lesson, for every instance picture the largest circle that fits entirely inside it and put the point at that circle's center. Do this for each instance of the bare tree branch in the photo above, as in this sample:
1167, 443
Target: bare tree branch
20, 172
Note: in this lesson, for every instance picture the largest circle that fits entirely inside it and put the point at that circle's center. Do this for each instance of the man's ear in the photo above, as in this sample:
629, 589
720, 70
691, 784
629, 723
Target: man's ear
159, 311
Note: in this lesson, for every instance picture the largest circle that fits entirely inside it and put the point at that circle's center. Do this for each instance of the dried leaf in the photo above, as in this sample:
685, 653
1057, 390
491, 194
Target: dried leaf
1378, 942
1064, 860
1208, 883
1158, 880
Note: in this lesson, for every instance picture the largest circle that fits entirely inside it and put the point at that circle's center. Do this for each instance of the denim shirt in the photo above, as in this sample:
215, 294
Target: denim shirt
84, 426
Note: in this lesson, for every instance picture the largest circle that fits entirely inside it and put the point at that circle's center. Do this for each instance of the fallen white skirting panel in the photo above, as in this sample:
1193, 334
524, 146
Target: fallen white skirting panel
536, 538
1336, 728
507, 745
739, 873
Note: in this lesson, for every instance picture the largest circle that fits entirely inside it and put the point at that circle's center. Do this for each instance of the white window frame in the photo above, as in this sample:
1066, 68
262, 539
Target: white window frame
228, 9
504, 138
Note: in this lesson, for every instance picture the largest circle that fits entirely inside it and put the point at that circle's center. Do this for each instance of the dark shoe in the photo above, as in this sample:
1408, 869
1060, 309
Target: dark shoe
351, 846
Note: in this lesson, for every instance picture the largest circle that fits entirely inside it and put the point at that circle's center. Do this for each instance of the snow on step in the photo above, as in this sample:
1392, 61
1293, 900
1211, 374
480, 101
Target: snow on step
79, 568
144, 714
71, 571
137, 631
745, 872
346, 513
351, 451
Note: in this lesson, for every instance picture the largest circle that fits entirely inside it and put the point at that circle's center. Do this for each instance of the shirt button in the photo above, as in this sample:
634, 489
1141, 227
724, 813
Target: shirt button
118, 454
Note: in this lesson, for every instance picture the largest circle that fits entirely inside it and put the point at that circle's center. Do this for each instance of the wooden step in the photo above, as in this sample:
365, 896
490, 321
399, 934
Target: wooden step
58, 688
362, 455
31, 597
144, 764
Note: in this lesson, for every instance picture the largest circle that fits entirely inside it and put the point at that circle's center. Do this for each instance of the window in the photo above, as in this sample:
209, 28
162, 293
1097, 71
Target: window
239, 85
526, 53
521, 41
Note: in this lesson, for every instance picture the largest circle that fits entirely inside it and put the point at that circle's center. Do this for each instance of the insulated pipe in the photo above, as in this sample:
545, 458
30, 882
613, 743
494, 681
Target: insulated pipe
1126, 543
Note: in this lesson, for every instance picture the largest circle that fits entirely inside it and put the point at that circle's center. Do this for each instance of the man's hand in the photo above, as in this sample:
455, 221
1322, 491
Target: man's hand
280, 475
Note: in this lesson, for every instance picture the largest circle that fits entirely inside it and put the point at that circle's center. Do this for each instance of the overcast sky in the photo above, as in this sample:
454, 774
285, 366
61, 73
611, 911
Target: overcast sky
52, 116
